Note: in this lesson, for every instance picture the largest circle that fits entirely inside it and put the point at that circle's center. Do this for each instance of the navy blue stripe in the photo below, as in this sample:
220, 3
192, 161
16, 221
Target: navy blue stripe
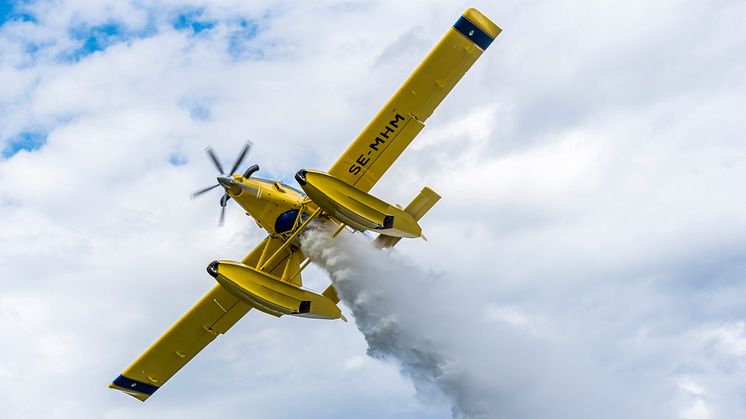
135, 385
472, 31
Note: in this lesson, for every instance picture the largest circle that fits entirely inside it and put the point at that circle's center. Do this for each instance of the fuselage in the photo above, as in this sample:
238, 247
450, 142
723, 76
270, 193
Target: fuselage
273, 204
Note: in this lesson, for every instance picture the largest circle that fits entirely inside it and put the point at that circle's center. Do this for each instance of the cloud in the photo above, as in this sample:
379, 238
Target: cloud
591, 222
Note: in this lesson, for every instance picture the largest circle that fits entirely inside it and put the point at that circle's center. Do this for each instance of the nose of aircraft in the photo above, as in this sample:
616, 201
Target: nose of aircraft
226, 181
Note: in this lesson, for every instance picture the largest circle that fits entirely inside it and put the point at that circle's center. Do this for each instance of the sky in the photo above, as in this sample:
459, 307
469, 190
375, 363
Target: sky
587, 259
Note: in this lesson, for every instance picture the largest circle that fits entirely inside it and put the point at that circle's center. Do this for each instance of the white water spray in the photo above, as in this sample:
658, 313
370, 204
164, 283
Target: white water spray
403, 315
561, 353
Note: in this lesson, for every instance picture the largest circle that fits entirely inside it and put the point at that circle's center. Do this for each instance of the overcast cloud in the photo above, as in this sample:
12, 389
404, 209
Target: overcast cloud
588, 252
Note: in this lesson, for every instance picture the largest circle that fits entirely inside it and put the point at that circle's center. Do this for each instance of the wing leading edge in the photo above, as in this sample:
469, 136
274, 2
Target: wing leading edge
214, 314
404, 115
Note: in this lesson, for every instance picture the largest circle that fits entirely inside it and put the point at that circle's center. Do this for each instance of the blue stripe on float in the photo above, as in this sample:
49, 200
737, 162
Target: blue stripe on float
135, 385
472, 31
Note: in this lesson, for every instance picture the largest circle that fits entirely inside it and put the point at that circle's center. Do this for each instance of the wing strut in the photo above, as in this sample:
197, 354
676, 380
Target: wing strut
289, 240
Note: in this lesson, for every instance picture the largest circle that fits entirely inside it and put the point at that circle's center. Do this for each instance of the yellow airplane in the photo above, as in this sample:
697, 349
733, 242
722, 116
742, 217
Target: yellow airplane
269, 277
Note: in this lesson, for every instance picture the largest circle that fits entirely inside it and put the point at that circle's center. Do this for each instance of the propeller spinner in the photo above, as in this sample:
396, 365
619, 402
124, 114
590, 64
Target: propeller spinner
227, 180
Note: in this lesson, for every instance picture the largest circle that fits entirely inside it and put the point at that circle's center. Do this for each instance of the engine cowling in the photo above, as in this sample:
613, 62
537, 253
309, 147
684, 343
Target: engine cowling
359, 210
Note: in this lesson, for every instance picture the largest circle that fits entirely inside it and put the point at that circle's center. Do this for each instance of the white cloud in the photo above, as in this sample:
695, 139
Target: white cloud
730, 339
591, 166
698, 407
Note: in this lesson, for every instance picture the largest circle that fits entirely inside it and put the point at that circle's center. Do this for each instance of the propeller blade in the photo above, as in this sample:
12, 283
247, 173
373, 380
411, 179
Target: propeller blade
223, 202
250, 171
240, 158
222, 217
215, 160
201, 191
251, 189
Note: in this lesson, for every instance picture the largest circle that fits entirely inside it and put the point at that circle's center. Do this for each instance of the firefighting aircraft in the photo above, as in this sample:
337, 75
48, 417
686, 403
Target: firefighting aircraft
268, 279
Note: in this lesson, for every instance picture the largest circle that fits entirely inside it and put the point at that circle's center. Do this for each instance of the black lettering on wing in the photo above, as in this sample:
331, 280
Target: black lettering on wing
362, 160
385, 133
397, 118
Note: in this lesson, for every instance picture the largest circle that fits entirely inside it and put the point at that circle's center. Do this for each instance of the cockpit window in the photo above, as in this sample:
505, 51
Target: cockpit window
284, 185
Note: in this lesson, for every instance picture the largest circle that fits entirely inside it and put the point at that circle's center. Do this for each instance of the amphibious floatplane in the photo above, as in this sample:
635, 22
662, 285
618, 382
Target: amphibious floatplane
269, 277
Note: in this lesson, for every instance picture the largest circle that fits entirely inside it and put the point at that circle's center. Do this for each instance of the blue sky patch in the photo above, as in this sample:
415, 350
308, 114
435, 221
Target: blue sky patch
99, 37
10, 11
177, 159
193, 20
239, 38
27, 140
95, 38
6, 8
198, 108
199, 112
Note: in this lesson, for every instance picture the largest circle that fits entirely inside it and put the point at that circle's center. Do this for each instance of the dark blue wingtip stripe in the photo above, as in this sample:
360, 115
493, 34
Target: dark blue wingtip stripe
135, 385
472, 31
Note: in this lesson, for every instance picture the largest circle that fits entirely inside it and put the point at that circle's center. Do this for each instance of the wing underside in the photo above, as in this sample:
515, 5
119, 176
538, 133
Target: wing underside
211, 316
404, 115
214, 314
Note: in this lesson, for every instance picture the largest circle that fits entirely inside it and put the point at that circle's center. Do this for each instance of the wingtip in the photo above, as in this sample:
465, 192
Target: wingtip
139, 396
483, 22
129, 386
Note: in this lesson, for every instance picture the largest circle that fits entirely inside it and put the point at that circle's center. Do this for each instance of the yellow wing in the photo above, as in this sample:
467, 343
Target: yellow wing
214, 314
403, 116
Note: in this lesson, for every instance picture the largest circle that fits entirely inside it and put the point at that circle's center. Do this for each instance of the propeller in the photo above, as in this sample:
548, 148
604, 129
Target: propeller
226, 179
